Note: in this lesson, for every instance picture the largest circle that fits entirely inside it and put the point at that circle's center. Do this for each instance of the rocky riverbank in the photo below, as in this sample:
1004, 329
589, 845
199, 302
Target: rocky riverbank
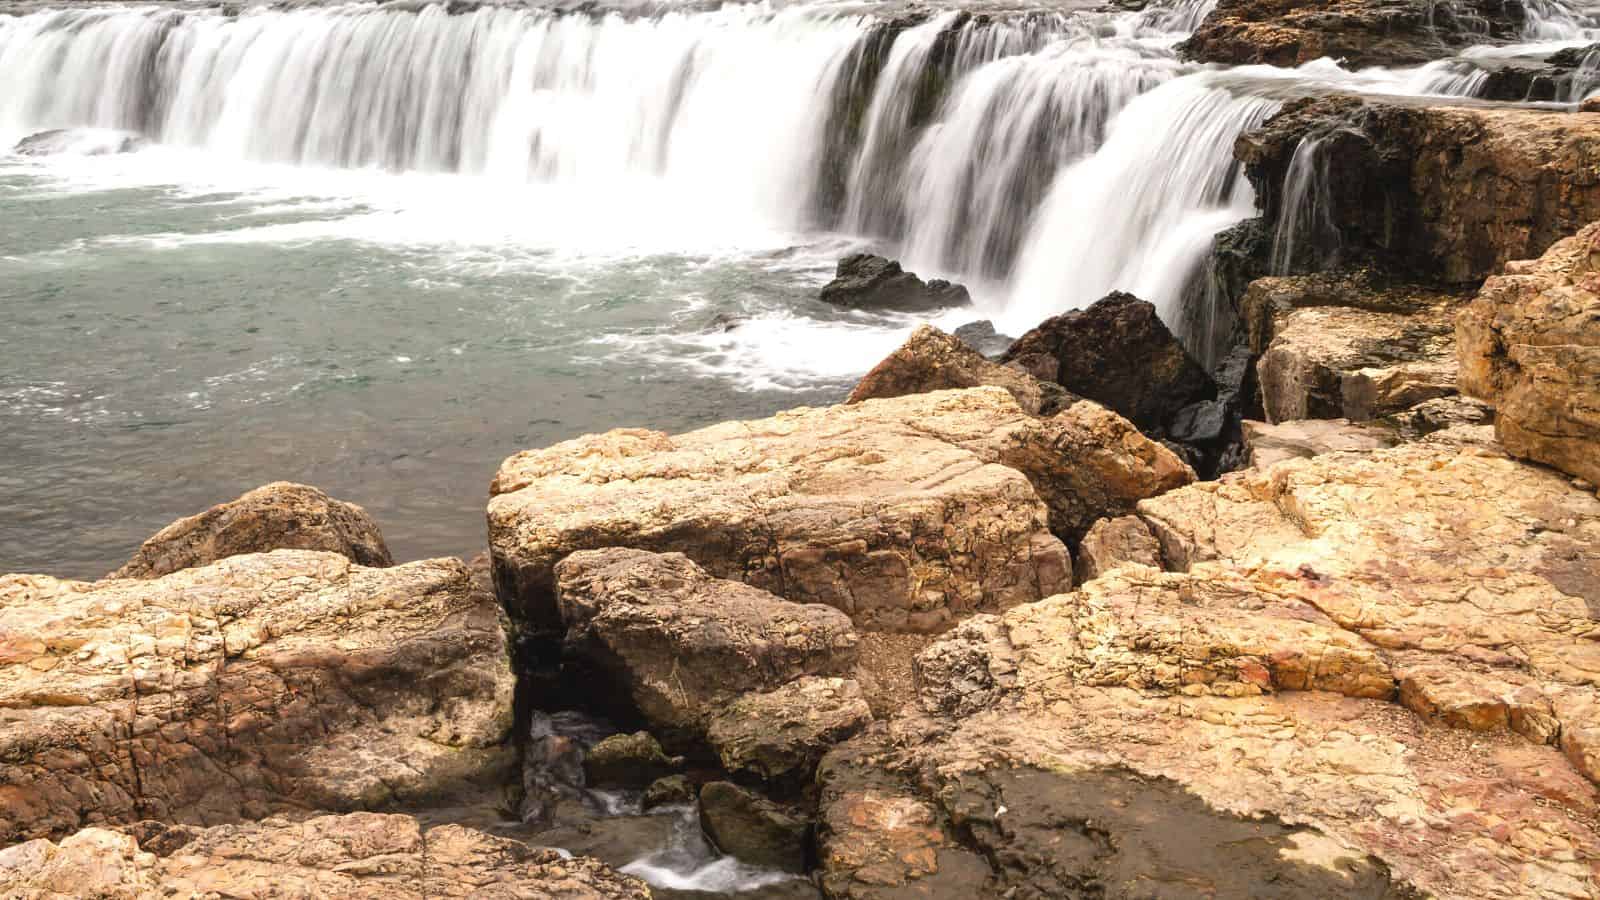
1084, 617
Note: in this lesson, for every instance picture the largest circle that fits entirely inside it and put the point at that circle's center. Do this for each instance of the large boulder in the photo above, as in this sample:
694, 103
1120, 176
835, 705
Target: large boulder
1435, 193
277, 516
682, 644
1530, 345
931, 360
1372, 674
1358, 33
292, 678
1117, 353
865, 281
907, 514
356, 855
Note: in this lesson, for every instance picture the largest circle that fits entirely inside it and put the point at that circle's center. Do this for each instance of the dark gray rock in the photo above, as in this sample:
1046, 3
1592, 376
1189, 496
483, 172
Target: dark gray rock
865, 281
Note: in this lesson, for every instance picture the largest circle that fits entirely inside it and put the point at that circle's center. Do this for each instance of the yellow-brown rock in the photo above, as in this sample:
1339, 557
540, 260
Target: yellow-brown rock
1530, 345
292, 678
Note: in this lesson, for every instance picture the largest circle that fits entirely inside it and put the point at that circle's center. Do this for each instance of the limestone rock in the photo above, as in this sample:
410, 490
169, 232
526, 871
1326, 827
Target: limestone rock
1349, 345
907, 513
1270, 444
1352, 364
781, 734
1438, 415
1117, 353
277, 516
1530, 345
1113, 542
683, 644
1359, 33
260, 681
628, 761
865, 281
931, 360
747, 826
388, 857
1437, 193
1373, 675
1388, 543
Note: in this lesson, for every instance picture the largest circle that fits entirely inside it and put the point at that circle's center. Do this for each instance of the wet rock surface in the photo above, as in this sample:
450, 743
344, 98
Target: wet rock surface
293, 678
1358, 33
1530, 346
355, 855
1117, 353
628, 761
1434, 193
749, 827
865, 281
277, 516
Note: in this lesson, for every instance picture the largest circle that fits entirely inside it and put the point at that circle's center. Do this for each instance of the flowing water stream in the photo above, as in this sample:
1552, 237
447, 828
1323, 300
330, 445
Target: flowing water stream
380, 247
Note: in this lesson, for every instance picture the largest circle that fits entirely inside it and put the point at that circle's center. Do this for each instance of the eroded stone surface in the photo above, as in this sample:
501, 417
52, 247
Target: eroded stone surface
1359, 33
683, 644
1383, 660
1530, 345
1114, 542
782, 734
368, 855
931, 360
293, 677
277, 516
907, 513
1269, 444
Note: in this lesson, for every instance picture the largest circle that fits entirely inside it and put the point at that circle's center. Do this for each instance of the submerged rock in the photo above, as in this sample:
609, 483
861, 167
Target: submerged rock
79, 141
355, 855
906, 514
931, 360
1118, 353
749, 827
1530, 345
865, 281
1358, 33
681, 644
293, 678
276, 516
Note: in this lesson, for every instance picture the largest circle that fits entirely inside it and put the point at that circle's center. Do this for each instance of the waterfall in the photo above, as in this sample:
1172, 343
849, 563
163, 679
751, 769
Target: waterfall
1140, 213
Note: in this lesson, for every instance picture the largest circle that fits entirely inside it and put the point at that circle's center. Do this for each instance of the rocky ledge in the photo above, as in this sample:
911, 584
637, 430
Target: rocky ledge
1269, 711
1358, 33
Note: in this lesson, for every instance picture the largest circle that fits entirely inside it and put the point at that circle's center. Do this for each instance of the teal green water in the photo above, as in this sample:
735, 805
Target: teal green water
163, 349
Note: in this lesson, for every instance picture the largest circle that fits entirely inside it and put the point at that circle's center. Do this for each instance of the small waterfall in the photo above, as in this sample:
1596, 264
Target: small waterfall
1305, 226
1141, 212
